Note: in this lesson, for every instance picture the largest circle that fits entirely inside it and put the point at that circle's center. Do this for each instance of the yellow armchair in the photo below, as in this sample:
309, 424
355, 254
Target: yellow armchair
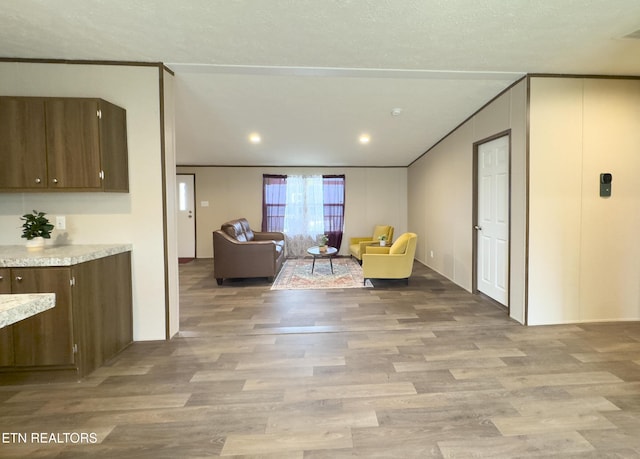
358, 245
395, 262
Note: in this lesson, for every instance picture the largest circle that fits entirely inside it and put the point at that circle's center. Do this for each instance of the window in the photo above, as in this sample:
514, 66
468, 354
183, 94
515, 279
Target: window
303, 207
274, 198
333, 206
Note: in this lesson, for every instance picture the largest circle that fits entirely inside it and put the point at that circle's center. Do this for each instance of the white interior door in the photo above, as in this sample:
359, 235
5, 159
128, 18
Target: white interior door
492, 227
185, 184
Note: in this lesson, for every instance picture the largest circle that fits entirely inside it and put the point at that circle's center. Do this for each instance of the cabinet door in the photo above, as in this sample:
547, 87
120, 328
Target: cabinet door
87, 314
113, 147
102, 309
23, 161
5, 280
73, 143
117, 317
46, 338
6, 333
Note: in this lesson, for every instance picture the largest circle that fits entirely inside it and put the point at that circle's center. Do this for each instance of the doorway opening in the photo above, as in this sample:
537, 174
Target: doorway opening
186, 218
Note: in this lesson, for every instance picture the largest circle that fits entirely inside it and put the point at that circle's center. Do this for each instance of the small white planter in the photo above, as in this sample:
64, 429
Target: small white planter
383, 243
37, 243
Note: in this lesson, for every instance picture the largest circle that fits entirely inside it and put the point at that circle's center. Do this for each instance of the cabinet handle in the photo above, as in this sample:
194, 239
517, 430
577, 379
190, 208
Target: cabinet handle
1, 277
19, 278
37, 180
55, 180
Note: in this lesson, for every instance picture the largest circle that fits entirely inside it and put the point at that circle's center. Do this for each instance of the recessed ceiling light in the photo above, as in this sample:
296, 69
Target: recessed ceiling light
364, 138
254, 137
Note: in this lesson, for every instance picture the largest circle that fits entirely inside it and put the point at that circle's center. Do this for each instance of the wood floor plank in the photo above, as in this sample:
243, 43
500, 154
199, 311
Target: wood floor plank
115, 403
321, 420
234, 375
274, 443
537, 425
562, 444
559, 379
577, 405
488, 362
350, 391
455, 354
291, 363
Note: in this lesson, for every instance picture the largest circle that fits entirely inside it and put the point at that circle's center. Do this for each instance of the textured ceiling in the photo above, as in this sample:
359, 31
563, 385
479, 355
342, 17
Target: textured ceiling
312, 75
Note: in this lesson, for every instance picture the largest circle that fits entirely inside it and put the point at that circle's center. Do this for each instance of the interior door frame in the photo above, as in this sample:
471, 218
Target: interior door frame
474, 220
195, 217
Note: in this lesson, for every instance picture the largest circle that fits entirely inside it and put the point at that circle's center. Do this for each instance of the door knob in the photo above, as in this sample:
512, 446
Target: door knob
477, 228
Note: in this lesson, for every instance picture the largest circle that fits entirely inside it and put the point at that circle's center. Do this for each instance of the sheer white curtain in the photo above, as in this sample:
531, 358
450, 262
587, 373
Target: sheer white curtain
304, 213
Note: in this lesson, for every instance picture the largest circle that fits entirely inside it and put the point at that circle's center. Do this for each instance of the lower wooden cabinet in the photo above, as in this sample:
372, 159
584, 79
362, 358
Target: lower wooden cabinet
46, 338
6, 333
90, 323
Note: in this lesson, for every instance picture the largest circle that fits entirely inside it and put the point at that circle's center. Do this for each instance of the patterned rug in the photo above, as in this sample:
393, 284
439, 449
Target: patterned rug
296, 274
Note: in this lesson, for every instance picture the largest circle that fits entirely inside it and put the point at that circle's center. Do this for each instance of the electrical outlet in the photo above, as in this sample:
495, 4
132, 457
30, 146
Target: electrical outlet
61, 222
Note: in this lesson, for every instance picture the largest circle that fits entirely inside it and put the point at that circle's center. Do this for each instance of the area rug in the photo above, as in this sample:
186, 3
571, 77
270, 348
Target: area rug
296, 274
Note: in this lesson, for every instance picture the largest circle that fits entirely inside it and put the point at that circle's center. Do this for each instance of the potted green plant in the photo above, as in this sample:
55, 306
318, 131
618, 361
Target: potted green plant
383, 240
323, 239
35, 229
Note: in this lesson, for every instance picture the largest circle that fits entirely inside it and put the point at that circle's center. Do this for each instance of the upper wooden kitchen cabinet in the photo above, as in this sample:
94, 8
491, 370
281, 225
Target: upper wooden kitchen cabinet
72, 144
23, 161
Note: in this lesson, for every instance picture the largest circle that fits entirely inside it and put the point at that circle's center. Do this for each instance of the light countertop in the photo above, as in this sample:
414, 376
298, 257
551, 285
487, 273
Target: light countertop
14, 308
17, 256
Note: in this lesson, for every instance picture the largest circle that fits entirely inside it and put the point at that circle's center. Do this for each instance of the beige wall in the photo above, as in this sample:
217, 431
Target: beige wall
584, 259
440, 196
135, 217
373, 196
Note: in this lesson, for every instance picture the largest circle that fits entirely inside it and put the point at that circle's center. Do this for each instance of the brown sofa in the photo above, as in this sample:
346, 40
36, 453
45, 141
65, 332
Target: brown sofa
240, 252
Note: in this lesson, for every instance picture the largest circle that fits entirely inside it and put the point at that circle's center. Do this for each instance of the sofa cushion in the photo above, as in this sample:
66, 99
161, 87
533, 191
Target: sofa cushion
380, 230
239, 230
400, 246
234, 230
248, 233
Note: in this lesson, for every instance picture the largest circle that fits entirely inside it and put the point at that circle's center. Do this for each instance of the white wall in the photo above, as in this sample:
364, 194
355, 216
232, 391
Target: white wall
135, 217
584, 258
440, 196
373, 196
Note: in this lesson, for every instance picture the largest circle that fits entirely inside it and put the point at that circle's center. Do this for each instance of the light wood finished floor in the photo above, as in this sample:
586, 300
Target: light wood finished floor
418, 371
